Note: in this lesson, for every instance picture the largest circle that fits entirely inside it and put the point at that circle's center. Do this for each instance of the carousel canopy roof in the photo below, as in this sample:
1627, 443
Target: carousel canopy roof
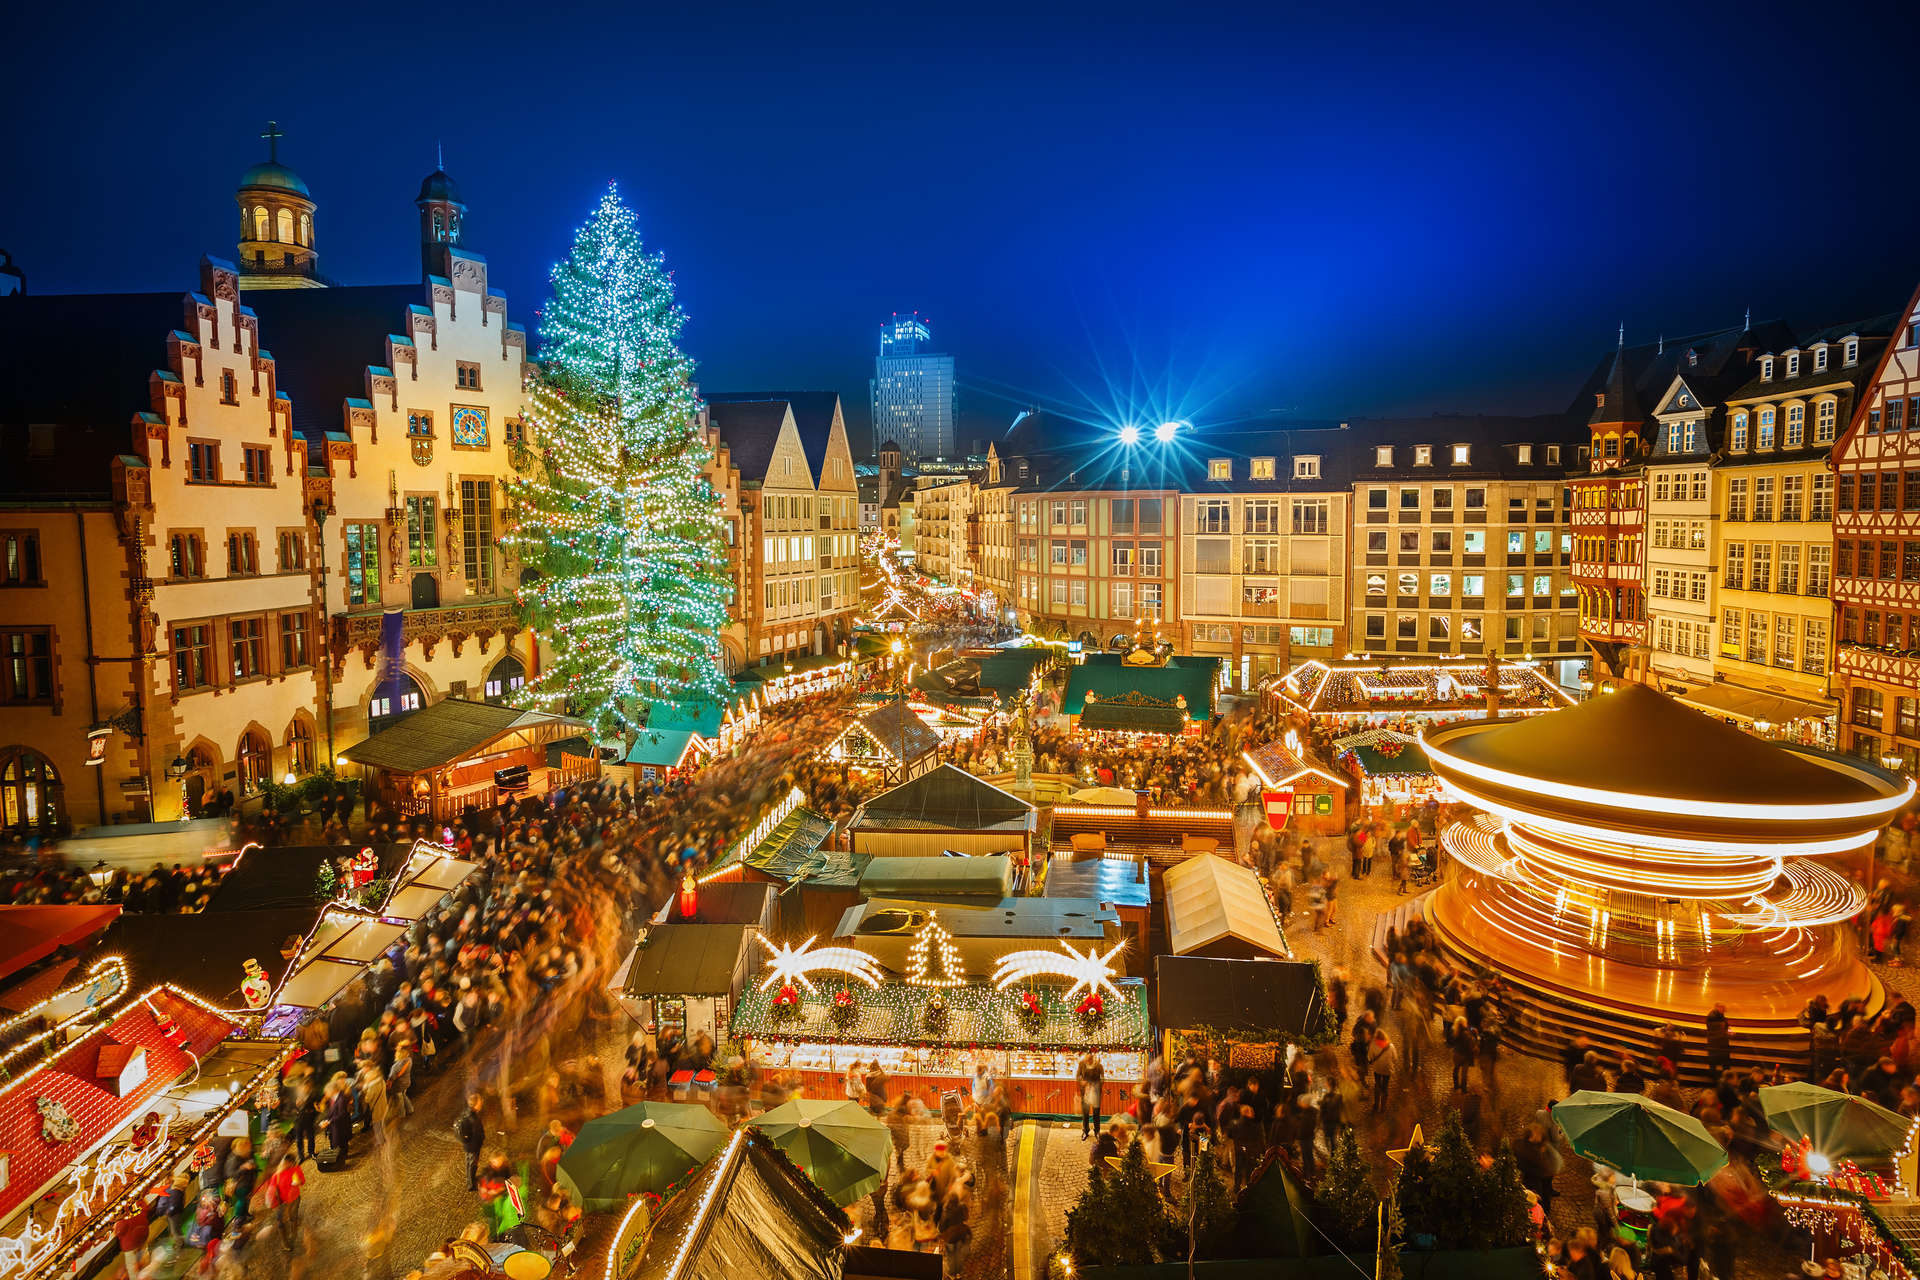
947, 799
1636, 741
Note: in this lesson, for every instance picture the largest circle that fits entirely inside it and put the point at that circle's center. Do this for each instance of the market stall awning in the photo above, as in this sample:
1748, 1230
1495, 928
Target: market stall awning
1132, 713
946, 799
687, 960
430, 874
749, 1212
339, 950
1752, 705
1249, 998
990, 877
664, 748
1385, 753
1219, 908
454, 729
30, 934
795, 851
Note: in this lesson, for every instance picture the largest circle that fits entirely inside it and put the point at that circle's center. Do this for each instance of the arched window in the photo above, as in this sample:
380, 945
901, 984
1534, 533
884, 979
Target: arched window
390, 705
30, 797
259, 222
300, 747
439, 225
283, 226
306, 230
256, 761
453, 227
506, 678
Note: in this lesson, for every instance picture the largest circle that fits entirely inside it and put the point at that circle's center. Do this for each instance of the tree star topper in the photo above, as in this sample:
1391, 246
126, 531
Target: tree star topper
1091, 971
789, 964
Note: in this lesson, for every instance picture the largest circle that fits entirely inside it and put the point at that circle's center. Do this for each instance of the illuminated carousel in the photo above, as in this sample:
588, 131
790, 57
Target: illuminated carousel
1638, 862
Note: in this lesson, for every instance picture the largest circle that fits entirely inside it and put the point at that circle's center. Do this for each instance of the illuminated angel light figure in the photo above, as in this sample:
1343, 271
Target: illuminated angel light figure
1091, 971
789, 964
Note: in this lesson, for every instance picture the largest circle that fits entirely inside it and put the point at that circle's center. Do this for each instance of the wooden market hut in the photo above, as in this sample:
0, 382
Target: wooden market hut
1256, 1006
444, 757
1111, 692
944, 809
891, 740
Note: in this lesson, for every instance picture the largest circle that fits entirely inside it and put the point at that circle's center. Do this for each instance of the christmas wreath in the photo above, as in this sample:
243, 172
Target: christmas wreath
1033, 1014
1092, 1008
844, 1008
786, 1002
1389, 748
935, 1016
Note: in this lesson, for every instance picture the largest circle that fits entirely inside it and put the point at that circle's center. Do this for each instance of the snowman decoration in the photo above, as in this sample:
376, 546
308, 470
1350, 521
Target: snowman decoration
55, 1124
255, 987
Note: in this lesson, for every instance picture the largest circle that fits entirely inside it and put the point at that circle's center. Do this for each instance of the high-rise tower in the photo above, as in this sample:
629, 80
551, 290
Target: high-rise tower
913, 400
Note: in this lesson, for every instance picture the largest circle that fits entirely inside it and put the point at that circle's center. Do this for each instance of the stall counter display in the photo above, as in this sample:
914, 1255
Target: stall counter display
1034, 1052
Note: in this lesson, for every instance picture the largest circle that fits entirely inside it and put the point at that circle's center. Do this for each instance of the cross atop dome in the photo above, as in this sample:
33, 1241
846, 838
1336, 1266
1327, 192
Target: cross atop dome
273, 135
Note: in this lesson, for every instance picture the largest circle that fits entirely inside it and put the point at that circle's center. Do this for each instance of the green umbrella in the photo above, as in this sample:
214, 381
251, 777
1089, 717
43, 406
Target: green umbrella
1640, 1137
645, 1147
837, 1144
1840, 1125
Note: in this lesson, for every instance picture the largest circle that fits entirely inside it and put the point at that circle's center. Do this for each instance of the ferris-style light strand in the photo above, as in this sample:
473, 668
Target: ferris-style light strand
615, 519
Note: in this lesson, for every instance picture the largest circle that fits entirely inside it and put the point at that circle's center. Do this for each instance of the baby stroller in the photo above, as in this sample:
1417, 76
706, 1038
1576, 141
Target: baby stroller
1422, 869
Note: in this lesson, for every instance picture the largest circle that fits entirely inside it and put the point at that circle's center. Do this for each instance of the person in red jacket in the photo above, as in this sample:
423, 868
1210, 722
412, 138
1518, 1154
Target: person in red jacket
130, 1233
288, 1182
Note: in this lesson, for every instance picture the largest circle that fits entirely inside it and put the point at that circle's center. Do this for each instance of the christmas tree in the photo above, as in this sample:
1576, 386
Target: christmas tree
617, 525
933, 960
1344, 1201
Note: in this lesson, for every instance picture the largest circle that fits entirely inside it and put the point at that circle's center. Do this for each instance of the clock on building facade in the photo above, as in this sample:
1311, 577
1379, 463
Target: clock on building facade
469, 427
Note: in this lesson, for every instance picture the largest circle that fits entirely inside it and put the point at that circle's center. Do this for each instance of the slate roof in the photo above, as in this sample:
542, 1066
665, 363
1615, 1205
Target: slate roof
948, 799
750, 429
80, 362
1072, 455
1873, 334
812, 418
330, 337
1490, 439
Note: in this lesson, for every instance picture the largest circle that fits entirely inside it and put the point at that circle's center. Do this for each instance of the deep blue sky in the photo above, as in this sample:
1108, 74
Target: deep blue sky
1209, 209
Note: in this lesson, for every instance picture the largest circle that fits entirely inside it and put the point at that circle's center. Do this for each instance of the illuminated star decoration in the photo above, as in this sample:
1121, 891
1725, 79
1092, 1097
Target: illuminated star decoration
1091, 971
789, 964
1418, 1139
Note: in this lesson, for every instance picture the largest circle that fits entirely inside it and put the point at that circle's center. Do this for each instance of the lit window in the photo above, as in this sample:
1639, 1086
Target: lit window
1219, 469
1306, 467
1423, 455
1261, 469
1460, 455
1383, 455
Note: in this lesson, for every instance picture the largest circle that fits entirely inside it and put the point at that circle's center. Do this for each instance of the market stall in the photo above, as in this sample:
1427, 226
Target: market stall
944, 809
1220, 909
889, 740
1027, 1015
1251, 1009
1142, 692
1296, 791
1372, 691
1390, 766
684, 977
444, 757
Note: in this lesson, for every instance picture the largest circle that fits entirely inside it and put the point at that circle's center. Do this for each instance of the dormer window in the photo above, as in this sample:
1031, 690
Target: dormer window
1693, 358
1793, 364
1219, 468
1819, 358
1763, 436
1306, 466
1261, 469
1553, 455
1383, 455
1522, 453
1738, 439
1460, 455
1766, 368
1853, 351
1423, 455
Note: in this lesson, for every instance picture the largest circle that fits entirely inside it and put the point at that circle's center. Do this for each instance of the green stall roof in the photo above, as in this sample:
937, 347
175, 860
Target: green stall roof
990, 877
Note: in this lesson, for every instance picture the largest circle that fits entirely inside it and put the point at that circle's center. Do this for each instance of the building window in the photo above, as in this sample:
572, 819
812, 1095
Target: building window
293, 550
1763, 498
20, 558
1409, 499
1077, 512
28, 674
476, 534
1079, 591
1306, 466
247, 645
1122, 559
203, 461
1423, 455
1214, 516
1079, 548
1737, 499
1736, 566
1059, 514
1059, 590
1383, 455
192, 656
1122, 598
300, 747
187, 556
1738, 442
466, 375
293, 641
422, 550
1866, 707
1461, 451
1796, 425
1764, 439
1212, 555
1761, 577
1120, 512
1260, 555
243, 554
229, 387
363, 564
1789, 580
1150, 560
1219, 469
1310, 515
1853, 351
1260, 469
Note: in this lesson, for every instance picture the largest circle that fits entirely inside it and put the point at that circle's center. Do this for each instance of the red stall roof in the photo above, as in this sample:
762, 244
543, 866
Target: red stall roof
31, 934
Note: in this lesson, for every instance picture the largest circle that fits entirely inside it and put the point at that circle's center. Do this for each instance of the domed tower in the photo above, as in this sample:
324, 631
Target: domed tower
276, 225
441, 215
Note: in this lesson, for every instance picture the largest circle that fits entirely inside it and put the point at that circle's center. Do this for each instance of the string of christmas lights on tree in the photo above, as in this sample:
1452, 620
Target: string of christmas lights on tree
616, 518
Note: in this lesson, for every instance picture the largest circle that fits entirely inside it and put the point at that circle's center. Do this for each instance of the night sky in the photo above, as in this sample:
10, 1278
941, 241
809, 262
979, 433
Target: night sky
1111, 209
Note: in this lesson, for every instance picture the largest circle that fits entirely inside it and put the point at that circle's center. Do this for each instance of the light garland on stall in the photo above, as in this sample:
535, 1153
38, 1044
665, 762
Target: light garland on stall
114, 967
933, 949
790, 965
1092, 971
